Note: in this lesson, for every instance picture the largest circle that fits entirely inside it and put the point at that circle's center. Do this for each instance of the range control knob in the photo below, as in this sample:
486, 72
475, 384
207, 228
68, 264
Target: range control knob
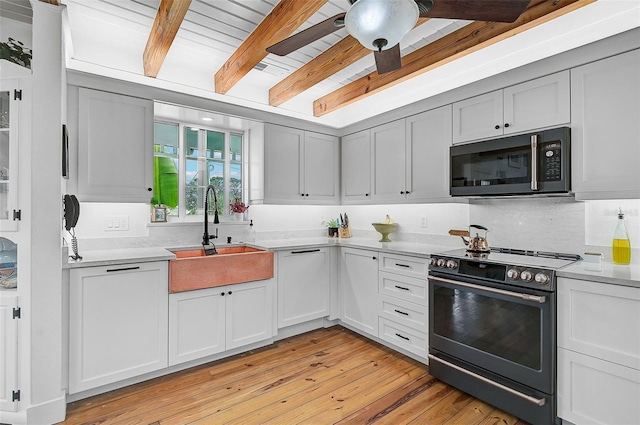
452, 264
542, 278
433, 262
526, 275
441, 262
513, 274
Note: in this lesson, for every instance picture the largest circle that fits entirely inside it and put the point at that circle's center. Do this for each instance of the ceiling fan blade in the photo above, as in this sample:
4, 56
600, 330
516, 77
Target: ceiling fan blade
473, 10
388, 60
307, 36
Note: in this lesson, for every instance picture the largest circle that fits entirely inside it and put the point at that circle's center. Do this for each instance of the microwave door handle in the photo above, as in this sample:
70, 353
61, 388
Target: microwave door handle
534, 162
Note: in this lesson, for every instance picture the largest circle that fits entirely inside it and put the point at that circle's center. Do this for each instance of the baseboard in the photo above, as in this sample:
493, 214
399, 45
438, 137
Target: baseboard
50, 412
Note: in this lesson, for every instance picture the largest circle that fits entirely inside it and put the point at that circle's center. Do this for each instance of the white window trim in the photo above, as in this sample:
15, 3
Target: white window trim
182, 163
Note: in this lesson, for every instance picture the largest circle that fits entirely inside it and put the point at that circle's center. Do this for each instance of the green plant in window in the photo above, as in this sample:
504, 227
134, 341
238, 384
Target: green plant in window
14, 51
165, 182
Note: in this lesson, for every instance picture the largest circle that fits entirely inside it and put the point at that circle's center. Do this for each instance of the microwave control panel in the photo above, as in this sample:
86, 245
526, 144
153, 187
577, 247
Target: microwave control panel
551, 164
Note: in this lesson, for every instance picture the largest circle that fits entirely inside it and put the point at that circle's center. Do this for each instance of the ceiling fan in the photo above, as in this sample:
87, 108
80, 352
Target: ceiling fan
379, 25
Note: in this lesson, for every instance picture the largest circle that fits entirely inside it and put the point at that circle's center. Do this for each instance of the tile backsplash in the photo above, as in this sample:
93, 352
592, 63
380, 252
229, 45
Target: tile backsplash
558, 224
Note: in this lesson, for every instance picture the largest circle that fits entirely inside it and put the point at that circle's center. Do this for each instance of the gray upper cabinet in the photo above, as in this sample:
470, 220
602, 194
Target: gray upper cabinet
428, 138
388, 178
543, 102
356, 167
605, 128
115, 147
401, 161
300, 166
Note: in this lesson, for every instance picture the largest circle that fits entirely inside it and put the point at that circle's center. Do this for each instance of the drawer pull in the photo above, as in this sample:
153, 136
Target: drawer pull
123, 269
402, 336
403, 265
402, 287
306, 251
401, 312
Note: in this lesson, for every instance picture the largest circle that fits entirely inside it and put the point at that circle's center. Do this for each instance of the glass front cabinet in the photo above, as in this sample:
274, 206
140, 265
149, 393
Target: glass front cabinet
10, 96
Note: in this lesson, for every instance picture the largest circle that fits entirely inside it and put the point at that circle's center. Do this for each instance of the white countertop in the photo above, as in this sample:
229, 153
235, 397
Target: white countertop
610, 273
628, 275
110, 257
394, 247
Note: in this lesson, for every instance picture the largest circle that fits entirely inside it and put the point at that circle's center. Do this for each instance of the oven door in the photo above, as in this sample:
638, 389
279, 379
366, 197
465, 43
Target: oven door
505, 331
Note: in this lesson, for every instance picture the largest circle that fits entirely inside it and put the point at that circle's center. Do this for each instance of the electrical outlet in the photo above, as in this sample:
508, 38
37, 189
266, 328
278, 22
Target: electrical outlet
423, 221
116, 223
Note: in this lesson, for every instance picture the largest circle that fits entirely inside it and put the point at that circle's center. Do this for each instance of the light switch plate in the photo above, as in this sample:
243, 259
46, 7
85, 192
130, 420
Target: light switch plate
116, 223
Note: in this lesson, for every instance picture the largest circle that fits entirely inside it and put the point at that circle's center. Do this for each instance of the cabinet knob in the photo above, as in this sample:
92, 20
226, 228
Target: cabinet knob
401, 192
149, 189
375, 258
302, 194
497, 127
229, 292
306, 194
407, 192
222, 294
506, 125
366, 194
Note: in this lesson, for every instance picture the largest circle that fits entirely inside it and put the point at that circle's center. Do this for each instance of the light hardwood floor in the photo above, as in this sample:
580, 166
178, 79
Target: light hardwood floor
328, 376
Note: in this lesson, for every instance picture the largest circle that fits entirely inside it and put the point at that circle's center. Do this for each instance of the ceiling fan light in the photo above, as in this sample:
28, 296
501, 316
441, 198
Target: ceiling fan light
371, 20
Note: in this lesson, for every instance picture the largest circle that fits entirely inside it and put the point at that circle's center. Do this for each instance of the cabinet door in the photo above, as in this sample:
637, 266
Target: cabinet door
594, 391
543, 102
9, 137
388, 143
283, 157
8, 353
196, 324
115, 152
359, 289
605, 128
427, 154
321, 172
478, 117
249, 312
304, 277
600, 320
356, 167
118, 323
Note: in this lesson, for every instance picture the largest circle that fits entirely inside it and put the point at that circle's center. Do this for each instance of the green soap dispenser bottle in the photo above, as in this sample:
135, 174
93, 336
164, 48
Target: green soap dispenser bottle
621, 243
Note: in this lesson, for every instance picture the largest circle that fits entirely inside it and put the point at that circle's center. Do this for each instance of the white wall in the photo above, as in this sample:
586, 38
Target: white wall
19, 31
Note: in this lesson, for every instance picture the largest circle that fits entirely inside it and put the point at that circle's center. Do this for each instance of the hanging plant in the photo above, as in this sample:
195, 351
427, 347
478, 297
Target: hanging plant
14, 51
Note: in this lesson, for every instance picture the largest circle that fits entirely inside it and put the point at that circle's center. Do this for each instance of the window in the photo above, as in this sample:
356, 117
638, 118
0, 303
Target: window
205, 156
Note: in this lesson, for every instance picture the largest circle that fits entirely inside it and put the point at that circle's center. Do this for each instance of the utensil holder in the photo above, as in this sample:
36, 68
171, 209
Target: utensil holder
345, 232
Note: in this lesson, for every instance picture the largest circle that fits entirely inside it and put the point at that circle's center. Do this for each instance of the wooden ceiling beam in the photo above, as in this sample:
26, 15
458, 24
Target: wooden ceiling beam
342, 54
283, 20
168, 19
53, 2
462, 42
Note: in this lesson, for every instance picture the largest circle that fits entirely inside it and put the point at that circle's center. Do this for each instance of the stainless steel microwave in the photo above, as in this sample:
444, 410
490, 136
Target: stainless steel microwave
534, 163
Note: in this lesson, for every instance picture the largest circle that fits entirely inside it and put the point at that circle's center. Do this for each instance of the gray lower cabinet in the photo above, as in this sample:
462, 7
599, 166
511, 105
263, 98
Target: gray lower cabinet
210, 321
304, 278
403, 296
118, 320
359, 297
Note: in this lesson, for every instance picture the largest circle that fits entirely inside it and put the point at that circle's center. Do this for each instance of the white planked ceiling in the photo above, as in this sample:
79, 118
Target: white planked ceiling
108, 37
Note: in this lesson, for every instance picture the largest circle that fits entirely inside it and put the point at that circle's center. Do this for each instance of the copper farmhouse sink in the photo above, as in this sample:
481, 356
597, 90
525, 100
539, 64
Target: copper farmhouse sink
192, 269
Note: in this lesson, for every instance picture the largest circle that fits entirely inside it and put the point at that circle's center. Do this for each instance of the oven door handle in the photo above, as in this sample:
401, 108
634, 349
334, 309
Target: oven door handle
536, 401
527, 297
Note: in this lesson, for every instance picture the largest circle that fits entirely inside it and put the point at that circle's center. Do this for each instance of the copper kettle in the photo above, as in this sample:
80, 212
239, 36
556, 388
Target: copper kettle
476, 243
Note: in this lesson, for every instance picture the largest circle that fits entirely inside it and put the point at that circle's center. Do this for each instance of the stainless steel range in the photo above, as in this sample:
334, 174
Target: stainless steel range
492, 327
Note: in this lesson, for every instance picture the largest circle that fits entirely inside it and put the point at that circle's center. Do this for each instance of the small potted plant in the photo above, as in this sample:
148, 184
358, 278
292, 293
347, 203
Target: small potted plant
238, 208
332, 229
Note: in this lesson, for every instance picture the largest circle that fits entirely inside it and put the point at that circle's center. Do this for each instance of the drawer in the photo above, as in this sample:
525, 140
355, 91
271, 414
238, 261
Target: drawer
404, 265
406, 313
403, 336
406, 288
